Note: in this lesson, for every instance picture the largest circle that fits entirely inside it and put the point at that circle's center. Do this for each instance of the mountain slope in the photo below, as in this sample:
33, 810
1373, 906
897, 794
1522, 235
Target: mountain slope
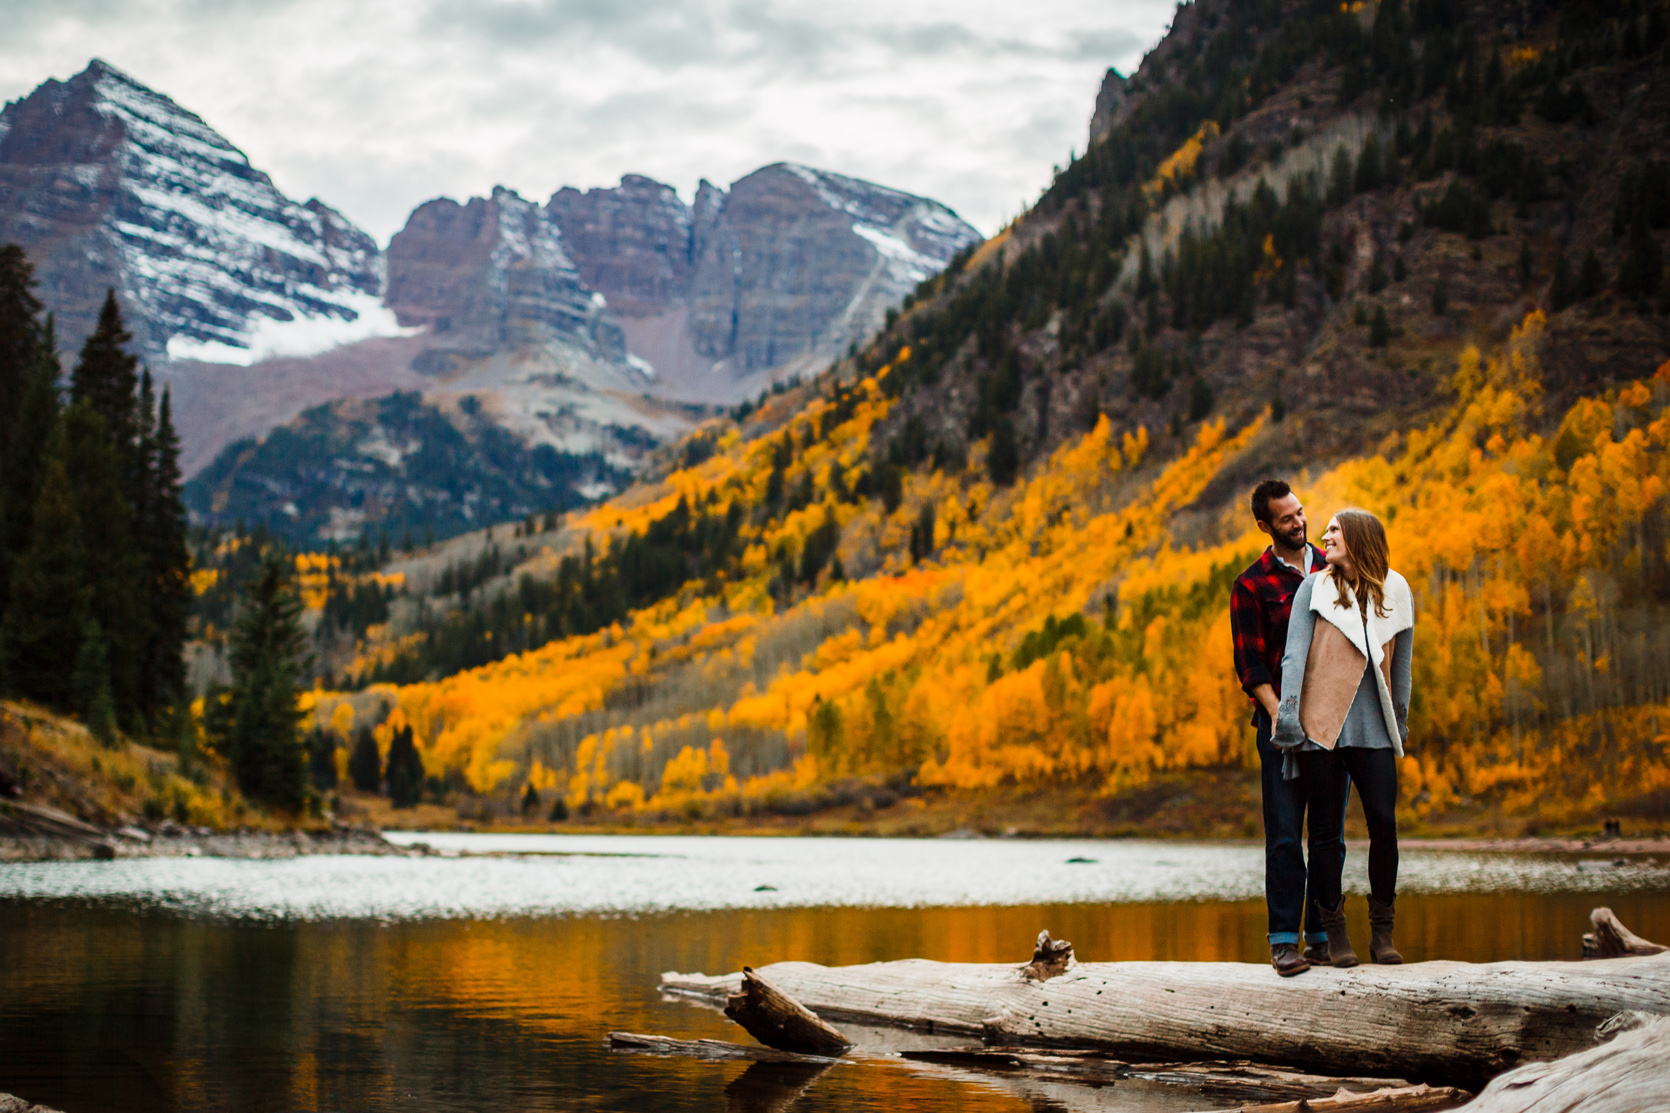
1440, 297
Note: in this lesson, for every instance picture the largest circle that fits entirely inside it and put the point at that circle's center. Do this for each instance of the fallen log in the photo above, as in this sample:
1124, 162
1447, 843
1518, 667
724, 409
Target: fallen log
1440, 1022
778, 1020
1625, 1075
1402, 1099
711, 1050
1226, 1081
1611, 939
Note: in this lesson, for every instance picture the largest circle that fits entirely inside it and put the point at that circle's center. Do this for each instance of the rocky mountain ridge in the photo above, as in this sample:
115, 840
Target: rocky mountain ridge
107, 183
559, 321
717, 297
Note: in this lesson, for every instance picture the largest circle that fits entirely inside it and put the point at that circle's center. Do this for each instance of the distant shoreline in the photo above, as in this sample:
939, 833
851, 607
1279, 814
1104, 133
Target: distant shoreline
132, 843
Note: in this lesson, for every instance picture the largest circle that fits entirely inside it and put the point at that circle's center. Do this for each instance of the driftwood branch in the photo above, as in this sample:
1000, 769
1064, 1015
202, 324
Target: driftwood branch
1402, 1099
1440, 1022
778, 1020
1625, 1075
1050, 958
1611, 939
1220, 1081
712, 1050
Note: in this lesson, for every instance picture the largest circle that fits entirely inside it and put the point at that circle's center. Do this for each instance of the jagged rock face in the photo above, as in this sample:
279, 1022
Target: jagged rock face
1110, 102
106, 183
757, 303
632, 243
491, 275
780, 273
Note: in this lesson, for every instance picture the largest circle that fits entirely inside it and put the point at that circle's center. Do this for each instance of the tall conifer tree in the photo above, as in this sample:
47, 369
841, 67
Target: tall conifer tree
106, 377
263, 731
40, 635
111, 568
20, 340
167, 572
20, 477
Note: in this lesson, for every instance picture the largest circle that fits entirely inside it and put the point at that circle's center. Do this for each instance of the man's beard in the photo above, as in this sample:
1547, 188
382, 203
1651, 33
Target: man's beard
1294, 540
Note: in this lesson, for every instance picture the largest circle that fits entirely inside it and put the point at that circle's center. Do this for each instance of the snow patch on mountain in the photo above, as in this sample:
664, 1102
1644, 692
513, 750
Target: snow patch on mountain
300, 336
224, 265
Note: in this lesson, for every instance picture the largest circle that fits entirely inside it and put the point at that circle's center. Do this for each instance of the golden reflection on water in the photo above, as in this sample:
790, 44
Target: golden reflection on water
103, 1008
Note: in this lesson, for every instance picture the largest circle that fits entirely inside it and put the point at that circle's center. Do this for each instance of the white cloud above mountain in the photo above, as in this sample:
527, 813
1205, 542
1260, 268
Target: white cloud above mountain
379, 105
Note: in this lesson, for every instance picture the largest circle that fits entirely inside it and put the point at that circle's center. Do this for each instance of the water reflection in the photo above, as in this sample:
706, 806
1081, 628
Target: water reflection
107, 1006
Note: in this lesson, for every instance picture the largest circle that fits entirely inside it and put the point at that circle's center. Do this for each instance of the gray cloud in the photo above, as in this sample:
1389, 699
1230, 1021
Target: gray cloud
379, 105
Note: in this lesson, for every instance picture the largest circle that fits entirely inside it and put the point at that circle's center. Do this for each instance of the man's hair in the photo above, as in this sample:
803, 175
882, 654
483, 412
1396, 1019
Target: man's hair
1264, 493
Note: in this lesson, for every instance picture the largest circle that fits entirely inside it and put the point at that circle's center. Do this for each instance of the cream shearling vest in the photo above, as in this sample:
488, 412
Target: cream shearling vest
1343, 643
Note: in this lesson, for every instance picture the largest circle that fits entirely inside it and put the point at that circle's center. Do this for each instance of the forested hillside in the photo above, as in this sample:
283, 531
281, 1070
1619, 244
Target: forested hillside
1409, 255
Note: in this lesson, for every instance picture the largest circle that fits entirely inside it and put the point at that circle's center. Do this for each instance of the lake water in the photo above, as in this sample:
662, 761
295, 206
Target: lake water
488, 983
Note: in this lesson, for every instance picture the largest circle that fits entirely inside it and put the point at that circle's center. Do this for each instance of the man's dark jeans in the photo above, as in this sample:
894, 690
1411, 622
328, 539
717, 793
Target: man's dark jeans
1284, 842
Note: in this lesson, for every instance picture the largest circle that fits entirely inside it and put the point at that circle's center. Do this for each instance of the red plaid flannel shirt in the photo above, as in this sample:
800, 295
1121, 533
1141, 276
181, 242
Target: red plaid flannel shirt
1259, 604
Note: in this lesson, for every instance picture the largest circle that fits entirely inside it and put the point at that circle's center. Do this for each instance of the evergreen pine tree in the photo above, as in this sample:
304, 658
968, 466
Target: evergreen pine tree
20, 340
405, 770
1003, 457
1201, 399
91, 683
167, 567
1379, 329
111, 567
20, 478
1643, 267
263, 735
559, 810
365, 764
1339, 178
41, 633
321, 759
530, 800
1563, 290
1441, 296
1589, 278
106, 376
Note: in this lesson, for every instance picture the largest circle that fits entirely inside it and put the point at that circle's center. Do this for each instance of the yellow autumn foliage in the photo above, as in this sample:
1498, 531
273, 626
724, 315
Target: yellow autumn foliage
1539, 676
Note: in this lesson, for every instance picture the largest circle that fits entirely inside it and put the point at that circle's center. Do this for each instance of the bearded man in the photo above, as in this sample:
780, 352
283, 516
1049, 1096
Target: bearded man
1259, 604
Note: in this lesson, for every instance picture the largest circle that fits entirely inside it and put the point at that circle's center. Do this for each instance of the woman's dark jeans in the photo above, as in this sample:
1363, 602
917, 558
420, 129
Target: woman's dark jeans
1326, 774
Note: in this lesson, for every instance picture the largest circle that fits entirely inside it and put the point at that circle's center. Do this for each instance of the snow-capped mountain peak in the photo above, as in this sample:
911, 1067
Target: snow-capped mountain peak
212, 262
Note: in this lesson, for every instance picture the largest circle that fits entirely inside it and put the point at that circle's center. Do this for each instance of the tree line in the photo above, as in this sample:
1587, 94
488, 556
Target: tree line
94, 569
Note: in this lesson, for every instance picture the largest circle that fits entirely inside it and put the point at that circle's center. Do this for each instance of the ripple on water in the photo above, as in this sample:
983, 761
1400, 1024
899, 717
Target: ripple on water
636, 874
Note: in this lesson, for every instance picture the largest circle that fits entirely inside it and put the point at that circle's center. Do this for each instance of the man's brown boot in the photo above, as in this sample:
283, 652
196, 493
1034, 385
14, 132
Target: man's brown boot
1380, 946
1317, 953
1340, 953
1287, 960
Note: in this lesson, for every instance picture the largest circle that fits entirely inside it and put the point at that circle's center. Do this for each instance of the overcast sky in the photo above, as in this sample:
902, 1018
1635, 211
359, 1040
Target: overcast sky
375, 106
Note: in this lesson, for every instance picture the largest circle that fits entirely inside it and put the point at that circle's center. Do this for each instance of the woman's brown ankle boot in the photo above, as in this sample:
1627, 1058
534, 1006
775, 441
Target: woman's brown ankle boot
1340, 954
1380, 947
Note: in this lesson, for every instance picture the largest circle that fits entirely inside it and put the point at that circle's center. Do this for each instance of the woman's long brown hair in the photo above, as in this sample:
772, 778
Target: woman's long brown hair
1365, 541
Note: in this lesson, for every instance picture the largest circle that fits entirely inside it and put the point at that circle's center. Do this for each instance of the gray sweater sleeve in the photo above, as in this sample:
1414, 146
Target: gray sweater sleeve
1301, 624
1403, 654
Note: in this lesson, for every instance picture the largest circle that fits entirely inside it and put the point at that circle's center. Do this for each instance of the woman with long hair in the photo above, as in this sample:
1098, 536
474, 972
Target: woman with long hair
1344, 716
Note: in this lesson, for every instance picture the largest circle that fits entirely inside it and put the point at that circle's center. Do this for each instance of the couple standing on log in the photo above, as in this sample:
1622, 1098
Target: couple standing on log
1323, 641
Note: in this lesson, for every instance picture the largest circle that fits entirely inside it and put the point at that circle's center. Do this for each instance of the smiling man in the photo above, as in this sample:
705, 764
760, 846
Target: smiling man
1259, 605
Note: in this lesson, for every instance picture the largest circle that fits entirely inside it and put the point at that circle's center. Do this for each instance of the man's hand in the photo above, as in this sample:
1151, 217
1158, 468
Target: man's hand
1266, 697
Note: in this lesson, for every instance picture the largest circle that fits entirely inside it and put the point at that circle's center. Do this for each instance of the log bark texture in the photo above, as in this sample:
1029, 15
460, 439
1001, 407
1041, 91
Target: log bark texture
713, 1050
1441, 1022
1226, 1082
1630, 1074
1611, 939
1402, 1099
778, 1020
